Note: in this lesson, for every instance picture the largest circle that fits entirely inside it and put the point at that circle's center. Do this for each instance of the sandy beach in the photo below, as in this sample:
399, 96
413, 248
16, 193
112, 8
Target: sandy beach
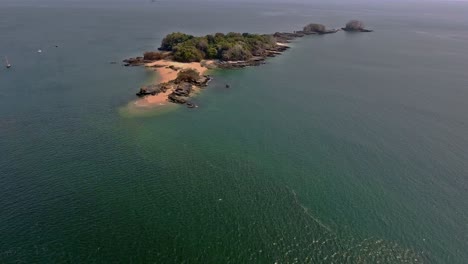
167, 74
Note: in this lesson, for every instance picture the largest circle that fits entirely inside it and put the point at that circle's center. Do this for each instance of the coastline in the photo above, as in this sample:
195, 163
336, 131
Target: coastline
167, 71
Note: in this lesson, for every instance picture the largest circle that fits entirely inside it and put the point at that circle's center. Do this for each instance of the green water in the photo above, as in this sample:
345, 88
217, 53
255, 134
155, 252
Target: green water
349, 148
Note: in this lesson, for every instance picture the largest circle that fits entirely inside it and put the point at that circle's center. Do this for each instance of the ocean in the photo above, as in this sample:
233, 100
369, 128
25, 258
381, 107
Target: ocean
347, 148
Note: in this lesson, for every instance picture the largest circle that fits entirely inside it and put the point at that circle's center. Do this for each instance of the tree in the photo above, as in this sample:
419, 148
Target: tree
173, 39
211, 39
232, 46
212, 53
236, 53
187, 53
202, 44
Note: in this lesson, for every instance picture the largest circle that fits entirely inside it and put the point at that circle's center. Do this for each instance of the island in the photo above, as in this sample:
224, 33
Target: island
355, 26
182, 60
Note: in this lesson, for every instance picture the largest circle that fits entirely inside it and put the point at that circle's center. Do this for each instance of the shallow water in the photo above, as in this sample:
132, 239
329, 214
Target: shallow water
348, 147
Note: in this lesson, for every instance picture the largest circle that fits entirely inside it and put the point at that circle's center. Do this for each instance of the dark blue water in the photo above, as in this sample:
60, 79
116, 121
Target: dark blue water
349, 148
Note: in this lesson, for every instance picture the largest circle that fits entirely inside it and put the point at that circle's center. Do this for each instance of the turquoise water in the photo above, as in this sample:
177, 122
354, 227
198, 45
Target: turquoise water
349, 148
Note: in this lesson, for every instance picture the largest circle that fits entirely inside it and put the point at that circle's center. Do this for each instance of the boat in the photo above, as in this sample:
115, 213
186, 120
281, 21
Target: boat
39, 51
7, 63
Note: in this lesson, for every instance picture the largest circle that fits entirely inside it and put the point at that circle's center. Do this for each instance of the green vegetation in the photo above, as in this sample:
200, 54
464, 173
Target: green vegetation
226, 47
187, 75
152, 55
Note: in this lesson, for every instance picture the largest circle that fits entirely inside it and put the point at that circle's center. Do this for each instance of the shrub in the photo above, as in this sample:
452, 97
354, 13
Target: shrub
188, 75
153, 55
236, 53
232, 46
173, 39
187, 53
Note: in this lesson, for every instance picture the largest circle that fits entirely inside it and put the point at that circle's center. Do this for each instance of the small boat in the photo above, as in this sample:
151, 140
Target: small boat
7, 63
39, 51
227, 86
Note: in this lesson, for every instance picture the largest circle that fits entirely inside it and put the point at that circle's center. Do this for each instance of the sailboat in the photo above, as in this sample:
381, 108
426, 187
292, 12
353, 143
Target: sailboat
7, 64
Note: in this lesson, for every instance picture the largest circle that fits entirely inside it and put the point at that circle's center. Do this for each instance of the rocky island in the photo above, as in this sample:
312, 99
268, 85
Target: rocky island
182, 60
355, 26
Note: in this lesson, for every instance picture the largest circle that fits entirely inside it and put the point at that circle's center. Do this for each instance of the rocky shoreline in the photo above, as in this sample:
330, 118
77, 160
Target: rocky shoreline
181, 89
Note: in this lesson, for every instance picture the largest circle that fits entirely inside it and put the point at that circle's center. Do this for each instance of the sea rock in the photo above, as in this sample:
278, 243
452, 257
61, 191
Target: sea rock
183, 89
138, 61
355, 26
286, 37
154, 89
318, 29
203, 81
177, 99
256, 61
157, 66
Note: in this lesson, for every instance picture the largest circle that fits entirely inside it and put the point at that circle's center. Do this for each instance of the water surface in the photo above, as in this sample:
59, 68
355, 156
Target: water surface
348, 147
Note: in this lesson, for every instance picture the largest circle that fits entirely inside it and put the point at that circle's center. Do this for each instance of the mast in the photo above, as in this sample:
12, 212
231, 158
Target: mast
8, 65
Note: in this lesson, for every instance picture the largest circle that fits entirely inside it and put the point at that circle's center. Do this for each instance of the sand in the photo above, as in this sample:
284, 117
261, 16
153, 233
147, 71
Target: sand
165, 75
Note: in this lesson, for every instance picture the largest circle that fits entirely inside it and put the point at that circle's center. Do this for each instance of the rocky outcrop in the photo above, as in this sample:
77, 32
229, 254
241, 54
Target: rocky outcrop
318, 29
328, 31
286, 37
177, 99
355, 26
183, 89
240, 64
138, 61
153, 89
181, 93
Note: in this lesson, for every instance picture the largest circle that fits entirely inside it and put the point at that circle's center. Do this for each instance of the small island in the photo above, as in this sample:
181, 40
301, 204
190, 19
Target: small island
183, 60
355, 26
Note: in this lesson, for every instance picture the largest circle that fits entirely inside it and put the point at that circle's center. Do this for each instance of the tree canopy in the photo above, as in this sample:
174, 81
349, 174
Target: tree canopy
171, 40
228, 47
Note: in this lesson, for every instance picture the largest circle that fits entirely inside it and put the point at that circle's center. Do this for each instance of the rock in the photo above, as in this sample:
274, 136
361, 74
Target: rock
203, 81
256, 61
154, 89
157, 66
176, 99
183, 89
191, 105
318, 29
331, 31
174, 68
138, 61
285, 37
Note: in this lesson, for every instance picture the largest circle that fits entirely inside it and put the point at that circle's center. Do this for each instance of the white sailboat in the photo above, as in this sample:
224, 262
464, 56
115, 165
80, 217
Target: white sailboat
7, 63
